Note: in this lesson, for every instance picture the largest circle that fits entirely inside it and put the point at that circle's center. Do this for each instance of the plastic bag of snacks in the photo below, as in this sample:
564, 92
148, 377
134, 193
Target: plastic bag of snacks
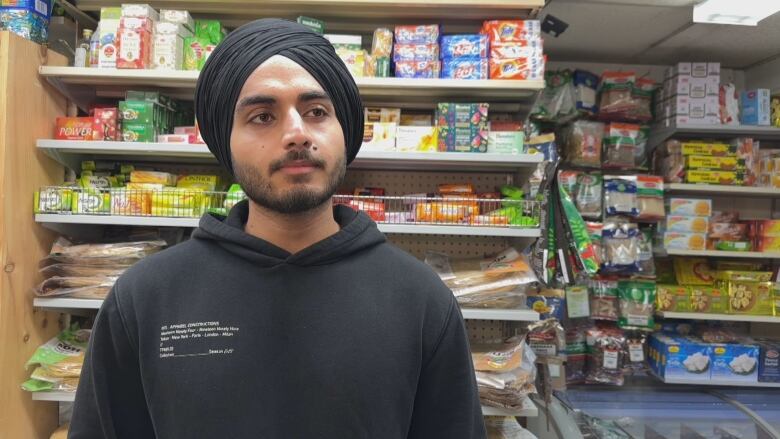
604, 299
621, 246
635, 352
582, 142
637, 304
586, 252
620, 143
589, 190
59, 361
606, 357
594, 230
548, 303
505, 372
557, 101
620, 196
626, 97
123, 253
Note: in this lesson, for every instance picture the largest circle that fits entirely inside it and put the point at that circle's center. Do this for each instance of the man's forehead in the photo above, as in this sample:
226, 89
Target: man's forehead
280, 74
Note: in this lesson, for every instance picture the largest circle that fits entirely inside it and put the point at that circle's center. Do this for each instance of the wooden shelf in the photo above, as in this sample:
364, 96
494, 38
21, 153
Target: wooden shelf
718, 317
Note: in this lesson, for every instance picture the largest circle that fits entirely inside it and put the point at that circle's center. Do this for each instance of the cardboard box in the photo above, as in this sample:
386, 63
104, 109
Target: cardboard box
687, 224
132, 111
730, 178
179, 17
139, 11
677, 357
685, 241
713, 163
702, 87
690, 207
755, 107
138, 132
168, 52
462, 127
379, 136
109, 40
73, 128
505, 142
415, 138
735, 363
135, 45
708, 148
104, 124
672, 298
768, 361
708, 299
768, 244
381, 114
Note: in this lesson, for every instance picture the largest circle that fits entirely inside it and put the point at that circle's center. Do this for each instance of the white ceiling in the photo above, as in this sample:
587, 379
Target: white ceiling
655, 32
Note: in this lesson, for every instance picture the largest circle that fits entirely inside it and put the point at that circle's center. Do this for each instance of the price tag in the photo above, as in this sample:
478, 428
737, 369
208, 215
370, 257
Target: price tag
638, 320
555, 370
610, 359
636, 353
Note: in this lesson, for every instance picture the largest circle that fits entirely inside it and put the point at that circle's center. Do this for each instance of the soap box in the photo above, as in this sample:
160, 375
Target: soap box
735, 362
769, 361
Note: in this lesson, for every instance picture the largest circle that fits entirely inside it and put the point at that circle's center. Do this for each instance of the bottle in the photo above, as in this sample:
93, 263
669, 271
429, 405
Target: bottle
94, 48
82, 49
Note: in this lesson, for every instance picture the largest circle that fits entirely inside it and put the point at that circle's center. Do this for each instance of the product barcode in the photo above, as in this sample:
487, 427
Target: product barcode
42, 7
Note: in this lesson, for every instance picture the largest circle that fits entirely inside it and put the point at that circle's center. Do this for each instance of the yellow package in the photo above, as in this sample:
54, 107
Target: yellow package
685, 241
90, 200
133, 199
417, 138
708, 148
424, 212
202, 182
177, 198
690, 207
693, 271
354, 59
153, 177
707, 300
714, 163
175, 212
672, 298
738, 275
754, 298
715, 177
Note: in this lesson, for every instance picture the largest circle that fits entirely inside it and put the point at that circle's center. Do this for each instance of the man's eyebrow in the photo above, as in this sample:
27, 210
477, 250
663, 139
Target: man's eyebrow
313, 96
255, 100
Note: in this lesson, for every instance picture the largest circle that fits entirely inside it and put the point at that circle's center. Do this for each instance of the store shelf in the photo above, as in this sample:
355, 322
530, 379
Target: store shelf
65, 304
718, 254
718, 317
659, 134
415, 229
517, 315
54, 396
529, 410
82, 83
72, 152
348, 15
711, 189
716, 383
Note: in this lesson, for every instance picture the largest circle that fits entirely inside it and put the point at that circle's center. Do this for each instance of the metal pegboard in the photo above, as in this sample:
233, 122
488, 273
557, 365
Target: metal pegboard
491, 330
455, 246
409, 182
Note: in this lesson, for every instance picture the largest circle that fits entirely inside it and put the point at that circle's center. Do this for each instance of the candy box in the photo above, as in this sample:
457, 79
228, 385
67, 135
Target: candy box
768, 228
424, 34
417, 138
672, 298
707, 299
416, 52
678, 357
690, 207
768, 361
714, 163
707, 148
505, 142
519, 68
512, 30
685, 241
73, 128
379, 136
745, 297
417, 69
687, 224
104, 124
138, 132
735, 362
464, 68
464, 46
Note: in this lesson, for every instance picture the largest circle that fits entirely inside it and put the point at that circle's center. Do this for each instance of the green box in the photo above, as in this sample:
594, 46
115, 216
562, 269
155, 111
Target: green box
139, 132
382, 67
137, 112
113, 13
313, 24
210, 30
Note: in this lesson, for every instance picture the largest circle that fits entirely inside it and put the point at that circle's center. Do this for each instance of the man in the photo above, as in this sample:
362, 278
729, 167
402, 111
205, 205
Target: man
290, 318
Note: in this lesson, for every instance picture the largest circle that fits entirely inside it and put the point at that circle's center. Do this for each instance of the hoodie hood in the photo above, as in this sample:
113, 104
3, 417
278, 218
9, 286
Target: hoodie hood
357, 233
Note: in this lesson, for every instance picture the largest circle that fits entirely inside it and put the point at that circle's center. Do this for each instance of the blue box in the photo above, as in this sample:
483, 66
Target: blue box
682, 358
735, 363
41, 8
754, 108
464, 46
769, 361
465, 68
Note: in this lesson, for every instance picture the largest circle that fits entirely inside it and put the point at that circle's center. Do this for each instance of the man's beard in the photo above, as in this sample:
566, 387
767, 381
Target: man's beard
297, 199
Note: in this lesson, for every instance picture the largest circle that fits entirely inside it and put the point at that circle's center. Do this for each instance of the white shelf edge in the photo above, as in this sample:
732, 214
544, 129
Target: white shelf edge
149, 221
529, 410
54, 396
718, 254
720, 317
716, 383
722, 189
66, 303
516, 315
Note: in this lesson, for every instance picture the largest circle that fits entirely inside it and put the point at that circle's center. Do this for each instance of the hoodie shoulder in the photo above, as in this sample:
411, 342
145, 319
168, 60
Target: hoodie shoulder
414, 274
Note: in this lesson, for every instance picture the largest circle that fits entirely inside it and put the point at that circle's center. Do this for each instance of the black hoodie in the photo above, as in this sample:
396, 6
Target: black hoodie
229, 336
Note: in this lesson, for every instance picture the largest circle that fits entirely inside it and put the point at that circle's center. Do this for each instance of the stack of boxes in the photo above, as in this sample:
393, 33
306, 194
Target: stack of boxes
416, 51
515, 49
136, 26
464, 56
26, 18
169, 35
144, 115
208, 33
708, 162
690, 95
687, 224
462, 127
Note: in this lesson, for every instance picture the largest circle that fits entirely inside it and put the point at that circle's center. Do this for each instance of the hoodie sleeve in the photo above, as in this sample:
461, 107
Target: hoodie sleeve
447, 400
110, 400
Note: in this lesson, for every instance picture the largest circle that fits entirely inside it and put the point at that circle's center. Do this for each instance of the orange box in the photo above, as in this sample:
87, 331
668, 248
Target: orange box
512, 31
768, 244
769, 228
518, 68
73, 128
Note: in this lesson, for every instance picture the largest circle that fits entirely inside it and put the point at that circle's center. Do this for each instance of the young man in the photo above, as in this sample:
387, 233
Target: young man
290, 318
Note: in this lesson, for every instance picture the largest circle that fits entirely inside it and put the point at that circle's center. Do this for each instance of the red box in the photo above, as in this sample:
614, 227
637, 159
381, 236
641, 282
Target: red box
134, 48
104, 124
73, 128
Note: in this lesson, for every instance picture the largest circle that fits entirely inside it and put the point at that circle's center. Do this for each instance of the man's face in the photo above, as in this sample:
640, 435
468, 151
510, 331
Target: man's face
287, 145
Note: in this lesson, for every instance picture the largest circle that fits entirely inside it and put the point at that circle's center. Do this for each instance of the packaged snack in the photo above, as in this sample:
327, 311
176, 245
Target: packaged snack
417, 69
693, 271
727, 231
210, 30
379, 136
508, 31
755, 107
505, 142
646, 258
417, 138
462, 127
135, 43
687, 224
702, 148
620, 196
109, 28
748, 150
91, 201
194, 49
456, 189
423, 34
673, 298
767, 244
586, 252
178, 16
465, 68
724, 217
63, 355
588, 194
685, 241
547, 338
73, 128
731, 246
690, 207
382, 44
621, 247
637, 304
498, 357
746, 297
607, 356
650, 197
707, 300
518, 49
416, 52
380, 114
683, 357
715, 177
518, 68
586, 84
769, 361
206, 183
53, 200
582, 143
153, 177
619, 145
577, 304
714, 163
635, 352
104, 124
138, 132
594, 231
465, 46
548, 303
355, 60
132, 111
616, 92
556, 103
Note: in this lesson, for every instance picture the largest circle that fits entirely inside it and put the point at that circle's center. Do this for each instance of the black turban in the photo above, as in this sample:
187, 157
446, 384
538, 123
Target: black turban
242, 51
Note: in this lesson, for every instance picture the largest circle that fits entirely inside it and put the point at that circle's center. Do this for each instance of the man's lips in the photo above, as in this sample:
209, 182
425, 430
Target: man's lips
299, 167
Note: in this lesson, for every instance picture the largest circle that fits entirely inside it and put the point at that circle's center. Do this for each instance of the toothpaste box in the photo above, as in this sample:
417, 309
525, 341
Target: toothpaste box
769, 361
735, 362
677, 357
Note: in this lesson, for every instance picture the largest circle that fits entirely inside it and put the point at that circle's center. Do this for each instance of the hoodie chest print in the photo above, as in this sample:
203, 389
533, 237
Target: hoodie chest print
197, 339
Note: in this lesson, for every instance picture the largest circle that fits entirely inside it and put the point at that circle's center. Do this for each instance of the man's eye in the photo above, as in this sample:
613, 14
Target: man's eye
318, 112
262, 118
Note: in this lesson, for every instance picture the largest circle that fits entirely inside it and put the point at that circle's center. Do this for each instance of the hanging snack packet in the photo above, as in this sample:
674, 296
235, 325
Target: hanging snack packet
635, 352
588, 194
621, 247
604, 299
548, 303
642, 100
577, 304
607, 358
620, 196
637, 304
646, 260
582, 142
556, 102
580, 238
594, 230
650, 198
620, 145
586, 84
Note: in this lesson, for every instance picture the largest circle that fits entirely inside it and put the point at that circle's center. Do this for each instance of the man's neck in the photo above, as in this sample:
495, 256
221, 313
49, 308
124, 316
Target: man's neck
292, 233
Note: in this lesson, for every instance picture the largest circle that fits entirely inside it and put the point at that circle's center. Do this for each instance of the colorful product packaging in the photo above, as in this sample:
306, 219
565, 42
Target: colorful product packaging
735, 363
509, 31
416, 52
417, 138
690, 207
210, 30
519, 49
672, 298
768, 361
104, 124
181, 17
423, 34
194, 49
109, 42
173, 138
355, 60
25, 22
417, 69
464, 46
379, 136
462, 127
138, 132
518, 68
464, 68
136, 111
687, 224
505, 142
714, 163
135, 43
382, 43
73, 128
677, 357
729, 178
755, 108
708, 299
685, 241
